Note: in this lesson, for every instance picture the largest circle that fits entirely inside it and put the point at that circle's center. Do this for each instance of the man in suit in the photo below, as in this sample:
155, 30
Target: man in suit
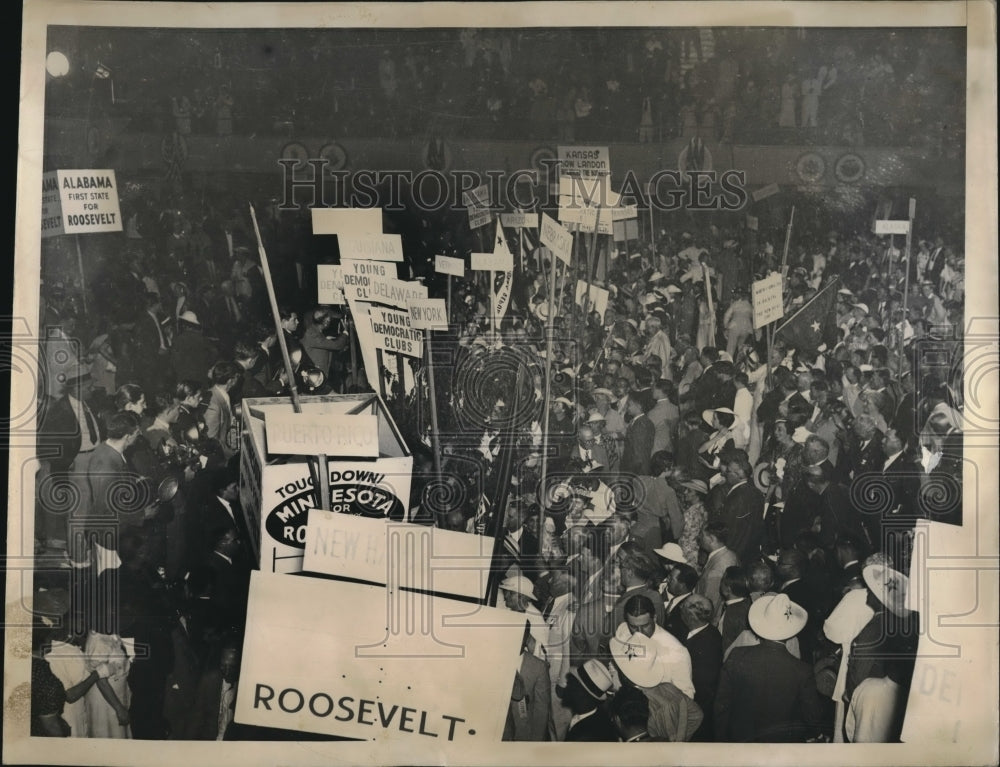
639, 435
593, 456
639, 572
219, 511
935, 262
743, 508
215, 701
530, 701
800, 507
838, 516
586, 689
191, 354
735, 590
681, 582
664, 415
713, 542
805, 592
864, 449
219, 413
68, 433
765, 694
151, 346
247, 355
704, 645
115, 492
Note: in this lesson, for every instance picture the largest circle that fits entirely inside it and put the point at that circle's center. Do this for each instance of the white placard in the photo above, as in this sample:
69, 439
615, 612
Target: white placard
598, 297
80, 202
393, 333
492, 262
519, 220
584, 216
428, 314
395, 292
555, 237
340, 436
767, 302
478, 203
382, 247
52, 223
328, 657
753, 223
892, 227
358, 277
329, 284
584, 161
448, 265
352, 222
354, 546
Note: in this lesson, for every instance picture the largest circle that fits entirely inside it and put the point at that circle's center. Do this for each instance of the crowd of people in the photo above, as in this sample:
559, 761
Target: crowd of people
734, 85
708, 543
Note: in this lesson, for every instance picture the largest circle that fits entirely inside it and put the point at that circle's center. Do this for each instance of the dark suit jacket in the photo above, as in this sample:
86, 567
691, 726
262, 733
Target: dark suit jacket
861, 460
672, 620
812, 595
192, 355
111, 485
734, 621
743, 513
595, 728
58, 436
766, 695
705, 649
638, 446
839, 517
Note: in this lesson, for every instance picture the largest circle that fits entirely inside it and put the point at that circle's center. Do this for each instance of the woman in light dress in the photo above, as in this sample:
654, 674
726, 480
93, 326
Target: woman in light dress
108, 701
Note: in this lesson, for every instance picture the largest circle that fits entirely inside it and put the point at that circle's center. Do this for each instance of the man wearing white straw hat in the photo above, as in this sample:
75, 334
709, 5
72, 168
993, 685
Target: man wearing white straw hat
882, 658
766, 694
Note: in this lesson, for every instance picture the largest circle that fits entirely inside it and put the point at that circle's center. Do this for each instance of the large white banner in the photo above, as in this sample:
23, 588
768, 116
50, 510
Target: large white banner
340, 658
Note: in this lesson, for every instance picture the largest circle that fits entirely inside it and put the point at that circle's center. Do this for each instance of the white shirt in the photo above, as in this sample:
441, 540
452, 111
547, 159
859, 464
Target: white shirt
698, 630
890, 459
580, 717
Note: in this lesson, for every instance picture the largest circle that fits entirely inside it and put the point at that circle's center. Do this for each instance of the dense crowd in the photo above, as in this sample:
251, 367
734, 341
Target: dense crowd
734, 85
708, 543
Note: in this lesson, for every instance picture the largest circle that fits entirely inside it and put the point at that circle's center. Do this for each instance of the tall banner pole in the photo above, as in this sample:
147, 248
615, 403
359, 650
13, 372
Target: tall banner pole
652, 227
83, 279
323, 480
711, 304
590, 275
449, 297
547, 389
788, 241
906, 285
352, 333
432, 394
493, 307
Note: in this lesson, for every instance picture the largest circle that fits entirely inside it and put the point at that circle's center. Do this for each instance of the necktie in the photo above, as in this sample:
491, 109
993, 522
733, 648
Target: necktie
91, 429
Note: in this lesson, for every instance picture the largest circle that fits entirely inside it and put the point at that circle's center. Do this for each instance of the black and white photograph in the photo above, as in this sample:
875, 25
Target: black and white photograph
411, 383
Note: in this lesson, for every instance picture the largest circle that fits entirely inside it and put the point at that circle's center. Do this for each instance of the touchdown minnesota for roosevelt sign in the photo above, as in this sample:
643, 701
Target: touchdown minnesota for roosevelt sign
327, 657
